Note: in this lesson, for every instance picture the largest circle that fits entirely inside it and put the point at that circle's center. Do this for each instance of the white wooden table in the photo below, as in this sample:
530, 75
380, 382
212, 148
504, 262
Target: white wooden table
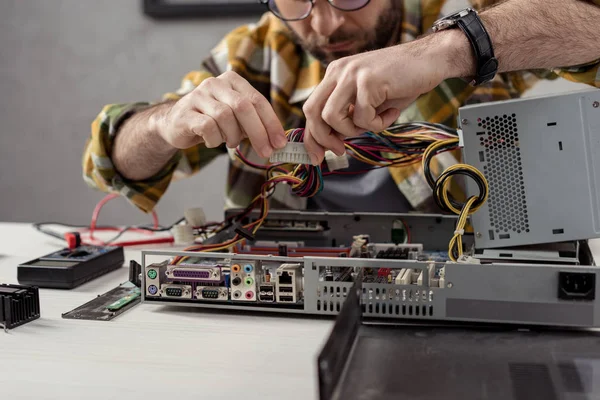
150, 352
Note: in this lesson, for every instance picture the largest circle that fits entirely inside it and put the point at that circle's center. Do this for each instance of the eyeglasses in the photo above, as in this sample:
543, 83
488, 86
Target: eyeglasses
295, 10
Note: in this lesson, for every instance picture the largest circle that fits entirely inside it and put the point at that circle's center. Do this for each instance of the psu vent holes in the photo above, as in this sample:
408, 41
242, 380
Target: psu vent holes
503, 169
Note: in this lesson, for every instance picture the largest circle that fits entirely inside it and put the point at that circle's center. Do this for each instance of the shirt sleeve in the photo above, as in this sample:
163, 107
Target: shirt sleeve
588, 74
99, 171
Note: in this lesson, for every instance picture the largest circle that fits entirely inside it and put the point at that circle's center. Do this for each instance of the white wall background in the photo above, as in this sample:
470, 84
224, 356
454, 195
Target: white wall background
60, 62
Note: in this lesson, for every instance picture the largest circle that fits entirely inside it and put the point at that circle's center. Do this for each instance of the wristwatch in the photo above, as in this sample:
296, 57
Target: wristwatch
469, 22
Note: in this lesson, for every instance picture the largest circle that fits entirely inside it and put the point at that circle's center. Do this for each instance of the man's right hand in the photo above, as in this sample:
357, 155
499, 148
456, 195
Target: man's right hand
220, 110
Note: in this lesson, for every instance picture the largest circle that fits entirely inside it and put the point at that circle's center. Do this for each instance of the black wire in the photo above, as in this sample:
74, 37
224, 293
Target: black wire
48, 232
427, 168
439, 184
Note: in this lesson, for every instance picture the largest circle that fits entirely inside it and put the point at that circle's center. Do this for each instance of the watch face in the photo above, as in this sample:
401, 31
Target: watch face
450, 20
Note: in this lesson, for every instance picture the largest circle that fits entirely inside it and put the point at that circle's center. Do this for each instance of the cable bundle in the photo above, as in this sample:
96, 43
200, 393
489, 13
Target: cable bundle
443, 198
401, 144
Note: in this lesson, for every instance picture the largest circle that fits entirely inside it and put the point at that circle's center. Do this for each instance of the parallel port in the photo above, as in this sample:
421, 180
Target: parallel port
195, 274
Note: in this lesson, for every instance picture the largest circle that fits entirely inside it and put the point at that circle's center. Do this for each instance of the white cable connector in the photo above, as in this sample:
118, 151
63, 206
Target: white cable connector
335, 162
183, 234
195, 216
292, 153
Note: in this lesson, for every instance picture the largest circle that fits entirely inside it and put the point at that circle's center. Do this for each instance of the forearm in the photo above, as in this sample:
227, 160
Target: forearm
139, 151
533, 34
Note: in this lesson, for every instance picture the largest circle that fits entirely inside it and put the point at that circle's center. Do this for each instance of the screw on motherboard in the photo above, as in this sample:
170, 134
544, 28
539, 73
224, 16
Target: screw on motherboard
450, 284
478, 234
464, 121
596, 104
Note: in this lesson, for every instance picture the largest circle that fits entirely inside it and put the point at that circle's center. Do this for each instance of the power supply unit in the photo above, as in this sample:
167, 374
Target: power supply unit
541, 158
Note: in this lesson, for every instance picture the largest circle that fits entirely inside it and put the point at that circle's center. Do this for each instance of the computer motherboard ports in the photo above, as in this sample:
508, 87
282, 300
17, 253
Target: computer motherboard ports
289, 283
285, 278
266, 292
212, 293
244, 280
176, 291
194, 273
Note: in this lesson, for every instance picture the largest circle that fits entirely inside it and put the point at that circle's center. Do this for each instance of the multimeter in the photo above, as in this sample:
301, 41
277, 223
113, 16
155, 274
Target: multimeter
69, 268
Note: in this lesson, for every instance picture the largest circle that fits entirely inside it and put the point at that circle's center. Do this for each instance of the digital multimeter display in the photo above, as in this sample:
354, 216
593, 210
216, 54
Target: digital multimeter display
53, 263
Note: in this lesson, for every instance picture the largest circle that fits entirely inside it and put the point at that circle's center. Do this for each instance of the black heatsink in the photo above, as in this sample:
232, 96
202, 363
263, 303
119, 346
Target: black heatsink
18, 305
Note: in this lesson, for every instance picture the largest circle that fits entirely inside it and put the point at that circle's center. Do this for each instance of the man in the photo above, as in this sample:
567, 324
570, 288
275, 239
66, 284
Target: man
365, 64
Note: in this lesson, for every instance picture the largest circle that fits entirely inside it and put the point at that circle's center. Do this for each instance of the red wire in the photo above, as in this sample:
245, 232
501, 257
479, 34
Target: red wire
96, 212
94, 221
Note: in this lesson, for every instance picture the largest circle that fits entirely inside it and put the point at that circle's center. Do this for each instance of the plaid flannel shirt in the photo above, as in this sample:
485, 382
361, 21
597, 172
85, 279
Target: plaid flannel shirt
265, 55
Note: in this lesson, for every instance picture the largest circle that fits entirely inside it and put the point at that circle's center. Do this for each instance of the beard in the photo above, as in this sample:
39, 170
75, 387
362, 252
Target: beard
386, 33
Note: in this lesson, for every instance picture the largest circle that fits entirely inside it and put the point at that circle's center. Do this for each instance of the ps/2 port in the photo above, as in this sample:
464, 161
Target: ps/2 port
152, 289
249, 281
248, 268
235, 268
152, 274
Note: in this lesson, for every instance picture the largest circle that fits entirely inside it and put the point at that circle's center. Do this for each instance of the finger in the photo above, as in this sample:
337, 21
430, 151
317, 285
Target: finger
365, 109
272, 126
336, 112
204, 127
316, 151
223, 116
391, 110
389, 116
249, 121
313, 107
325, 137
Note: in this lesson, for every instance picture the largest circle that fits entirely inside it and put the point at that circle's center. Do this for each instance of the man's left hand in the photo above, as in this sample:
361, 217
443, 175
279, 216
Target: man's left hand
368, 91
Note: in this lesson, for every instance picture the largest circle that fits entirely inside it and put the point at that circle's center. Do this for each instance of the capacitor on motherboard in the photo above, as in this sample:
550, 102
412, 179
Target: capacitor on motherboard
390, 278
267, 276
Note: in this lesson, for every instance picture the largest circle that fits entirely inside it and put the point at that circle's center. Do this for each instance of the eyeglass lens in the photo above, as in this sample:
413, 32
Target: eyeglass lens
299, 9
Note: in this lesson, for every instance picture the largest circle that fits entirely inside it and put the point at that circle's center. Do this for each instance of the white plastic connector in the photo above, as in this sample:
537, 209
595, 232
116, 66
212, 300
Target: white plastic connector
195, 216
335, 162
183, 234
465, 259
292, 153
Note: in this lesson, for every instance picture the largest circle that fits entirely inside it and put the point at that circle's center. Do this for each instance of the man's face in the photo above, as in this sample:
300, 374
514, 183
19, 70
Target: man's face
329, 33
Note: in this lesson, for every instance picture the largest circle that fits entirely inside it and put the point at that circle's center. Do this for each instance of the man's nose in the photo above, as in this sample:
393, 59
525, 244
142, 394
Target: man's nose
325, 19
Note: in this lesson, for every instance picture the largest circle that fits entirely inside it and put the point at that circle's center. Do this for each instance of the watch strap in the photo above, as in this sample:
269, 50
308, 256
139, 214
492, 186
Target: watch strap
481, 43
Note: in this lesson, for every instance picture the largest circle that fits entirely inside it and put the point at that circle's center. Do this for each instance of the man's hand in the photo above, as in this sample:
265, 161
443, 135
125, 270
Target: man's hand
220, 110
367, 92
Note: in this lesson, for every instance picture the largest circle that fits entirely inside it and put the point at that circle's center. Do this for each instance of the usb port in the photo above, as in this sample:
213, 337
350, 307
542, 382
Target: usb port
286, 289
265, 288
286, 298
266, 298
